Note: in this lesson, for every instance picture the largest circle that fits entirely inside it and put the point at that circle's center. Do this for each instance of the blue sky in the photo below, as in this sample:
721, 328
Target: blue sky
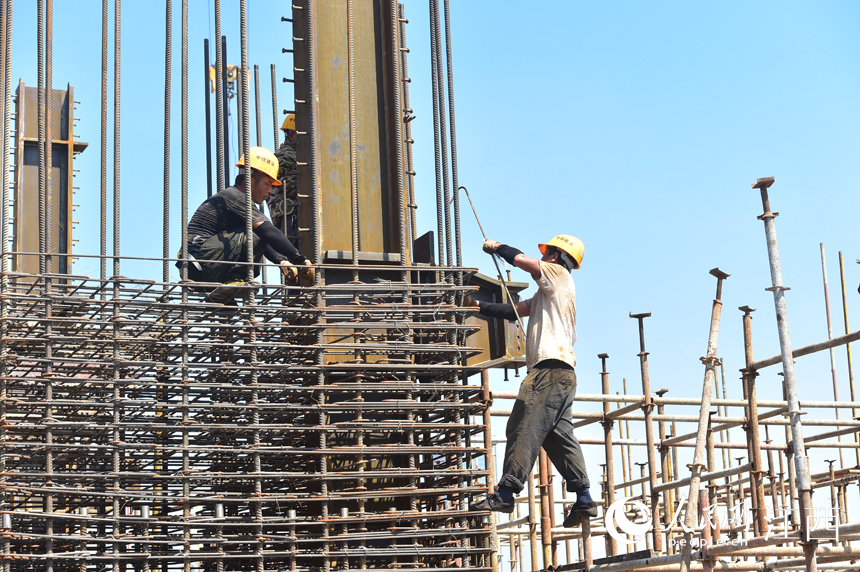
638, 127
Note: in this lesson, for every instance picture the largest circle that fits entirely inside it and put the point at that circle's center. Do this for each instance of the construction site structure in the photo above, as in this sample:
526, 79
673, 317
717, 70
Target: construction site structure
346, 424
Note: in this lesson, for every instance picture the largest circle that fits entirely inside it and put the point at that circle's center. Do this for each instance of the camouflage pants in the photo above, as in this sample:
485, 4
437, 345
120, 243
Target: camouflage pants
212, 257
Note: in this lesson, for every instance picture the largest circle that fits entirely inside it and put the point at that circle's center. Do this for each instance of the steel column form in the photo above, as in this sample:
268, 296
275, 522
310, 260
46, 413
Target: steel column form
830, 337
804, 483
648, 410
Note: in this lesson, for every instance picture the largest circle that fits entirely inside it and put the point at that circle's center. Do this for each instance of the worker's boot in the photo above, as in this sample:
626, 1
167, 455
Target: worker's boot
227, 293
493, 502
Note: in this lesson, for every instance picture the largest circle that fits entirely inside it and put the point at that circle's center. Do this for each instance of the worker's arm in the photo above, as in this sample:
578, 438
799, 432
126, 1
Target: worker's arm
275, 239
514, 256
503, 311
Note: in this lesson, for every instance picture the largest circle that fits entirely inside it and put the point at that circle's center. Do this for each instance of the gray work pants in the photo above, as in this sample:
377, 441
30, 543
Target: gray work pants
542, 417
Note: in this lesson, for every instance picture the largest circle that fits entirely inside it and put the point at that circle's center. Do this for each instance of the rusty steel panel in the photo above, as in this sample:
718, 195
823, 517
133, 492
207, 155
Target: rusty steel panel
26, 189
502, 342
378, 215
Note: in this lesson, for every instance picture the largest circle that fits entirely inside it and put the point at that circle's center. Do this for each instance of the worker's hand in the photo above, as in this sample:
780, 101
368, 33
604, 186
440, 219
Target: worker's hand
470, 302
308, 273
490, 246
290, 272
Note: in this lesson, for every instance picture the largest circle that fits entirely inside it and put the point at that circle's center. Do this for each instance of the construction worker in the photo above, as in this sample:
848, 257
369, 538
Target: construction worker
282, 201
542, 413
216, 233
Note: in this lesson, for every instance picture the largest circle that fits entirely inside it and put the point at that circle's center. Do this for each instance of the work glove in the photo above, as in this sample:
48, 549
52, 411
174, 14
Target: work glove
490, 246
308, 273
290, 272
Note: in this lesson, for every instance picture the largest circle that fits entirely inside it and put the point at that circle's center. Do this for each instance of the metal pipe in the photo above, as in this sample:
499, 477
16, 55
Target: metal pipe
165, 214
830, 337
532, 522
220, 109
607, 449
798, 450
759, 509
848, 344
812, 348
648, 408
710, 360
545, 509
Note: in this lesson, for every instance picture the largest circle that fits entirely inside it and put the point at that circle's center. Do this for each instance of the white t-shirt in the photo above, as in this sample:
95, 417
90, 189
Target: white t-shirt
552, 317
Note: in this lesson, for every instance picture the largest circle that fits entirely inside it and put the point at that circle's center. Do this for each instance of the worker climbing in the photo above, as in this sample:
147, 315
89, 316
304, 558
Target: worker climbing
541, 415
217, 243
282, 202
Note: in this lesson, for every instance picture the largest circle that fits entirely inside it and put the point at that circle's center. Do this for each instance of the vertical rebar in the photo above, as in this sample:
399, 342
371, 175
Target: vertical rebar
220, 109
103, 210
848, 348
434, 80
168, 56
49, 247
353, 159
804, 484
545, 508
258, 114
40, 71
831, 350
49, 135
207, 94
116, 131
453, 128
5, 258
443, 135
225, 93
274, 109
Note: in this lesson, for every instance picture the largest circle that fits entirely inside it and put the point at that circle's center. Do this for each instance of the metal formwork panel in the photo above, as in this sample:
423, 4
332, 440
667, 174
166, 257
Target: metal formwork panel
26, 189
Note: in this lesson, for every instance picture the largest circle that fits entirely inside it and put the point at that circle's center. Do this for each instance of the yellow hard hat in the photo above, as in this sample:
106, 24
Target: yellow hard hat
567, 244
263, 160
289, 122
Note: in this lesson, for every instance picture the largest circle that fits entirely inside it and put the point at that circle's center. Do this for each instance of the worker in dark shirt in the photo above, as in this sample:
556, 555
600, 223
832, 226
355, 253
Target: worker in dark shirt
216, 234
